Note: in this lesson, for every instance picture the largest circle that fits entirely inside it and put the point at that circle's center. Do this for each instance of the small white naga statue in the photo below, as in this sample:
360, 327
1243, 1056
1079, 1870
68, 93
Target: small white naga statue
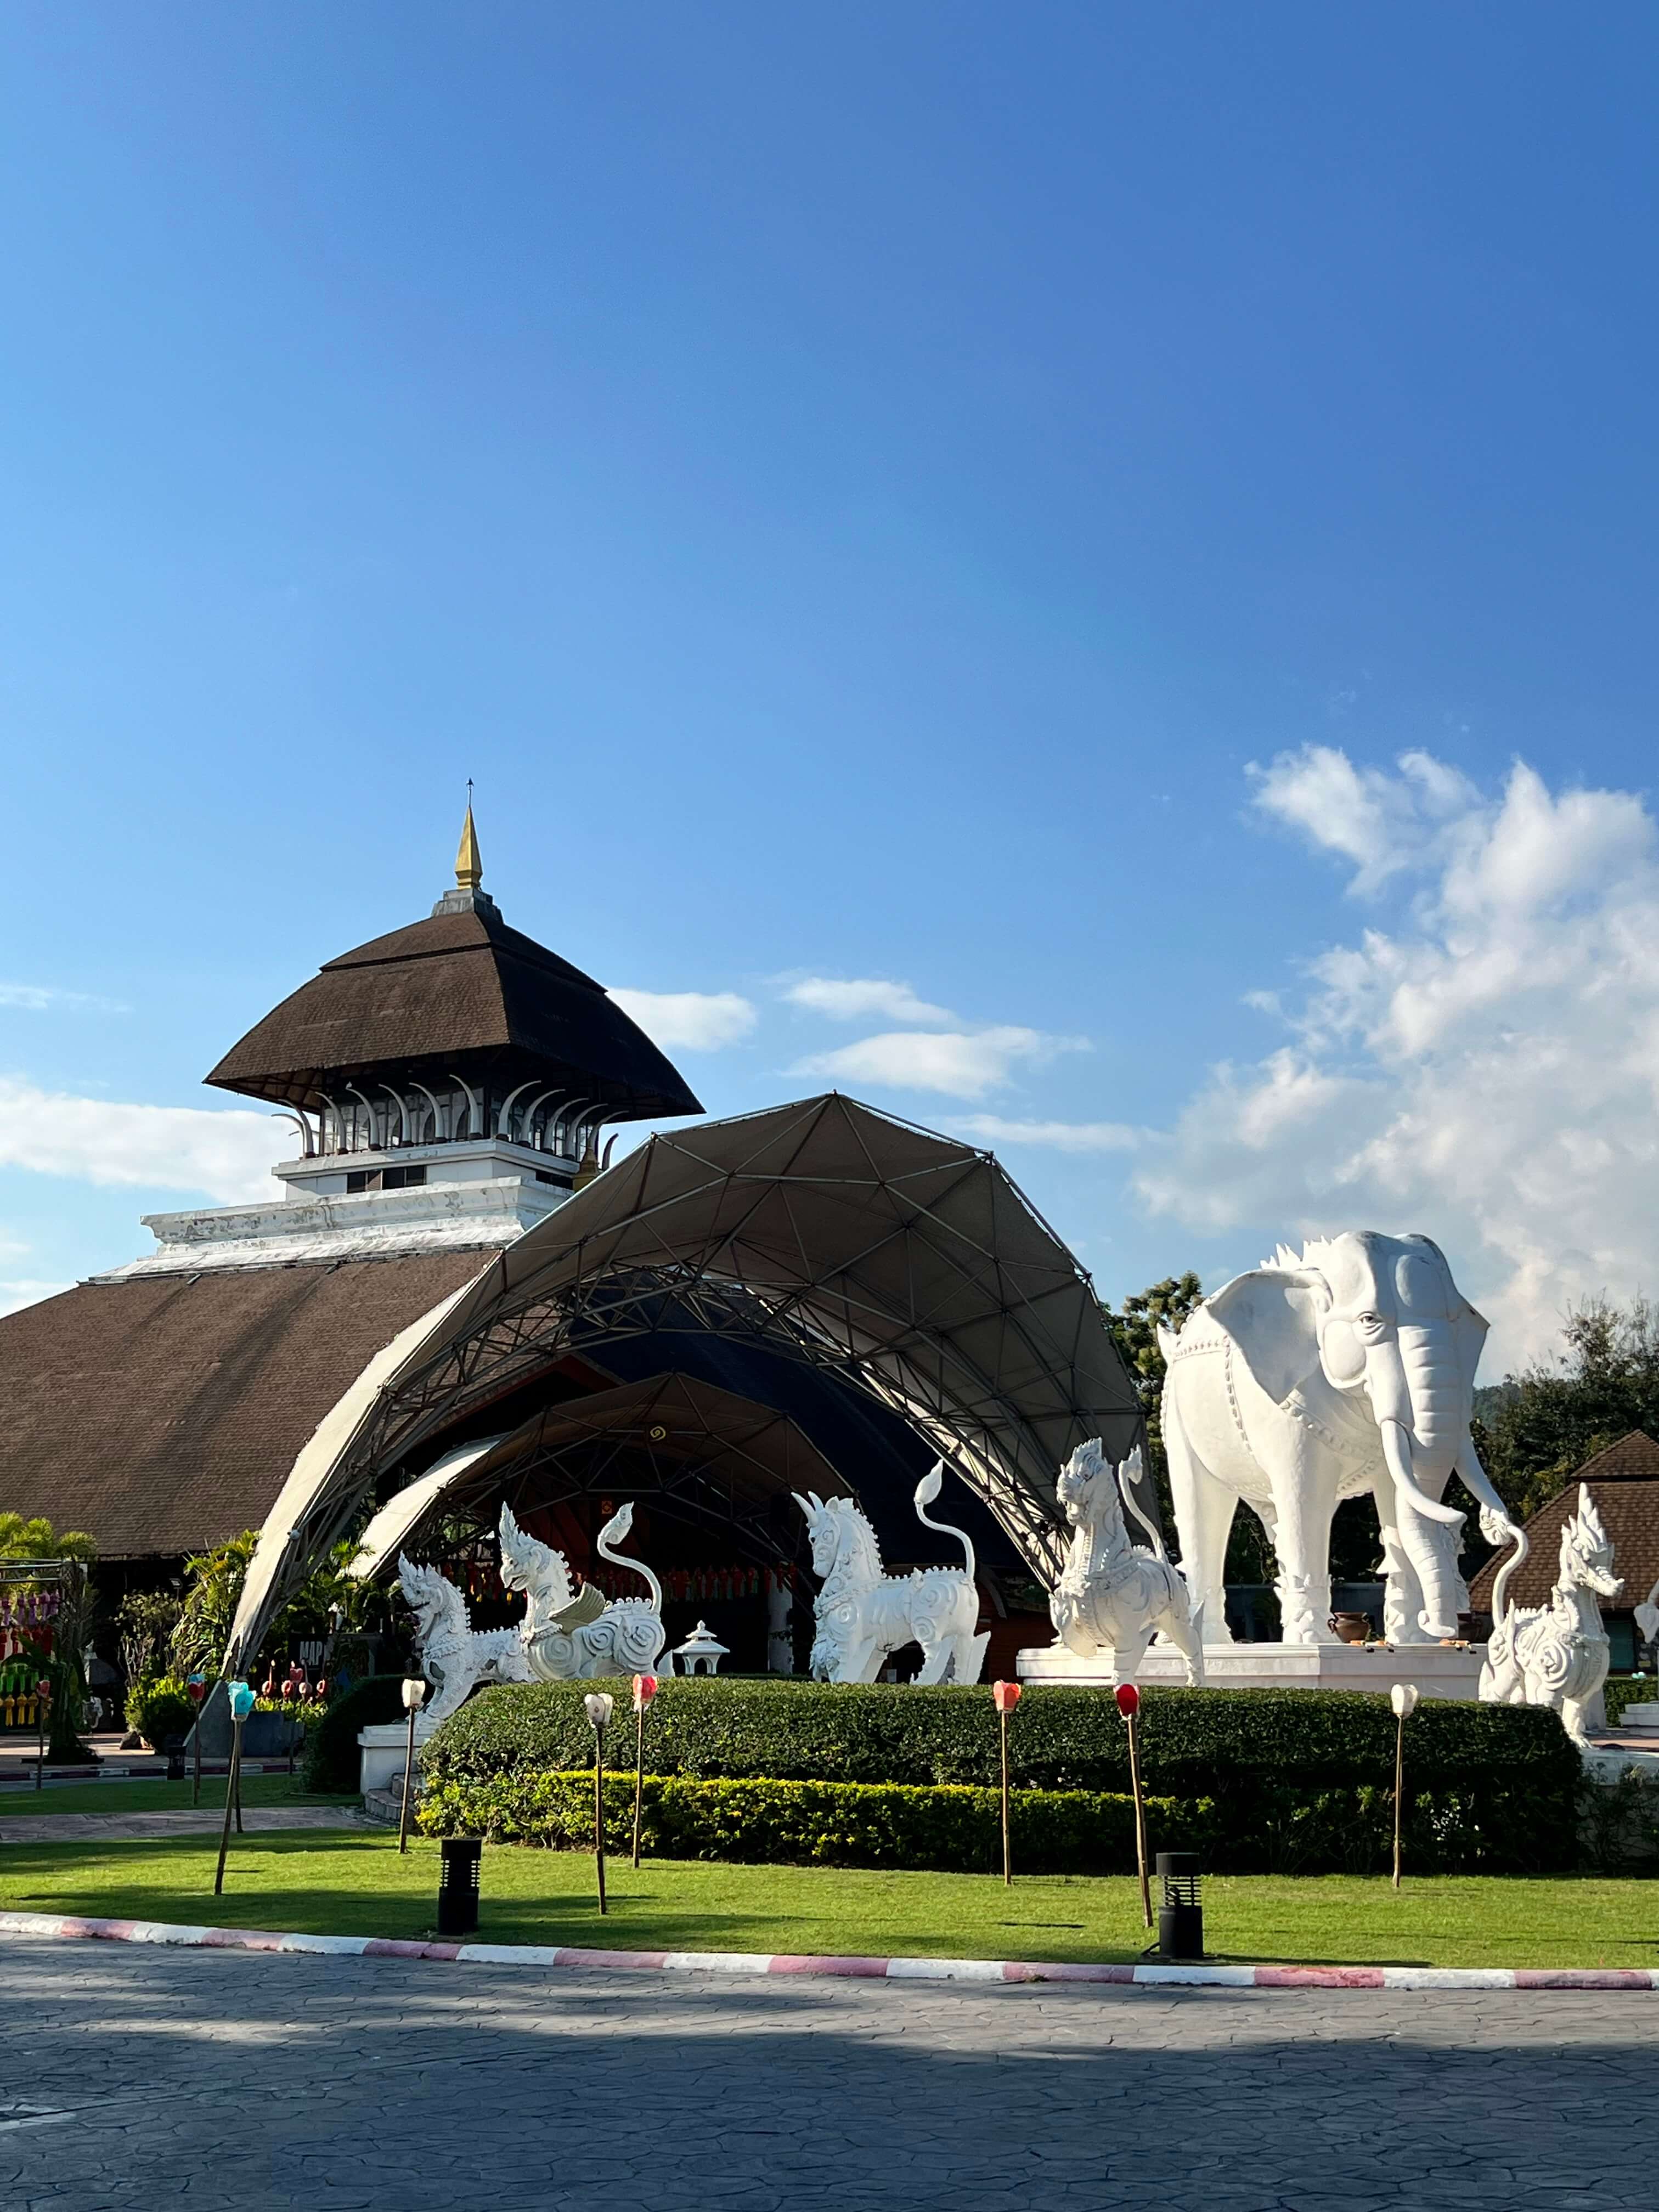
1555, 1653
1112, 1595
454, 1656
570, 1637
863, 1613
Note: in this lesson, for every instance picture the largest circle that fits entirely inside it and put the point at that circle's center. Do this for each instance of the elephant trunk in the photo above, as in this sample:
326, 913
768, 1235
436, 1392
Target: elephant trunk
1422, 1521
1437, 1394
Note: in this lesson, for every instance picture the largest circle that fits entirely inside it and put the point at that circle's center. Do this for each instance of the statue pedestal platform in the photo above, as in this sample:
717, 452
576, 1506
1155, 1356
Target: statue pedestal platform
382, 1749
1439, 1670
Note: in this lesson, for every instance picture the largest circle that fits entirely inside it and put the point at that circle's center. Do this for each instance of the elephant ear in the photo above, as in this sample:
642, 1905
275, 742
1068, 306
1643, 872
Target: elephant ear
1271, 1316
1469, 1334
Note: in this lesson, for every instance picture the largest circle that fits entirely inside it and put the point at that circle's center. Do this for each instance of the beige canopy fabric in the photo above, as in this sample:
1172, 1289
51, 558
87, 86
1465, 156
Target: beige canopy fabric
908, 1263
398, 1519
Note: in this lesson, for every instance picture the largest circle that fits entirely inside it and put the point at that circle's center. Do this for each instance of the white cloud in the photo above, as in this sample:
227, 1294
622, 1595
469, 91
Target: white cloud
867, 999
39, 998
689, 1021
226, 1156
961, 1064
1486, 1071
1058, 1136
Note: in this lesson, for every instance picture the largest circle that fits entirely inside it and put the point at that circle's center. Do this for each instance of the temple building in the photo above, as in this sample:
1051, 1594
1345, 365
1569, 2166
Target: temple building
455, 1300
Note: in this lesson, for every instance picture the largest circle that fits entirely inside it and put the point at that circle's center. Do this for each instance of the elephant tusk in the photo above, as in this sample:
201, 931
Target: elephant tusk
1395, 1451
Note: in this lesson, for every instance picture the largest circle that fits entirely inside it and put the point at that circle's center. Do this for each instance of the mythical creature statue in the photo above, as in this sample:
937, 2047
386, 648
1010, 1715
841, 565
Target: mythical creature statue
1647, 1616
1347, 1367
1555, 1653
568, 1638
455, 1656
863, 1613
1112, 1595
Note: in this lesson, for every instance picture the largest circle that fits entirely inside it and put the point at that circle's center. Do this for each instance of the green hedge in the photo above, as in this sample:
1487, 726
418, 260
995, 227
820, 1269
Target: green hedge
1623, 1690
1294, 1778
331, 1755
159, 1706
853, 1824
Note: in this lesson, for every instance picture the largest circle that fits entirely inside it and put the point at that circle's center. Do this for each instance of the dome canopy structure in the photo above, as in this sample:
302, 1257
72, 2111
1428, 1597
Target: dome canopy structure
905, 1266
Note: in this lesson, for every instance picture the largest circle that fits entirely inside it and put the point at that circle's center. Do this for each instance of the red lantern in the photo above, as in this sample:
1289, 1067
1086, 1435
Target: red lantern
1128, 1700
1005, 1696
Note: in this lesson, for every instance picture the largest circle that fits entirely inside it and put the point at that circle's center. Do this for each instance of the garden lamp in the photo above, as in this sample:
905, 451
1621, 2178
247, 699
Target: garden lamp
598, 1705
241, 1705
645, 1688
1403, 1698
1128, 1703
196, 1691
413, 1699
1005, 1696
1181, 1915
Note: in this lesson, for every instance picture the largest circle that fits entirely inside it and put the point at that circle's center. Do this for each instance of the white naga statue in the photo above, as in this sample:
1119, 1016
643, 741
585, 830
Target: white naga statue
568, 1636
454, 1656
1112, 1595
863, 1613
1554, 1654
1347, 1367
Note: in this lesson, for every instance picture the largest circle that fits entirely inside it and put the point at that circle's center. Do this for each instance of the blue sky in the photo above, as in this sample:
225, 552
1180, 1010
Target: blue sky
977, 503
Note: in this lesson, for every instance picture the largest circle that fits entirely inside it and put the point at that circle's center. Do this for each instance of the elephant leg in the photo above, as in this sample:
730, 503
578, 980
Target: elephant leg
1204, 1514
1302, 1537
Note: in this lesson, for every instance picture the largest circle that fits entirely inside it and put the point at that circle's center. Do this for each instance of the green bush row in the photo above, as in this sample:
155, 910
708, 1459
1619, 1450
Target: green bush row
1294, 1778
159, 1706
1623, 1690
1193, 1742
959, 1828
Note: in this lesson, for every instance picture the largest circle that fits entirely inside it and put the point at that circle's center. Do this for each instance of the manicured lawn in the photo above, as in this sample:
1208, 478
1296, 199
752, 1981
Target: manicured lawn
332, 1882
155, 1796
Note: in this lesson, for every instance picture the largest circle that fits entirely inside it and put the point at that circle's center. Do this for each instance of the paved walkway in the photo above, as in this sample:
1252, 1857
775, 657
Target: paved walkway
117, 1827
239, 2083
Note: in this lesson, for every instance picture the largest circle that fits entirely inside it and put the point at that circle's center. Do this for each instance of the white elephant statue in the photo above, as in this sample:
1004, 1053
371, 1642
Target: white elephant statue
1345, 1368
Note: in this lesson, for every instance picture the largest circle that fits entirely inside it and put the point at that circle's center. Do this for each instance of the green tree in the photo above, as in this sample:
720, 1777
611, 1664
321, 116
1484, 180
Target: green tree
1544, 1423
214, 1590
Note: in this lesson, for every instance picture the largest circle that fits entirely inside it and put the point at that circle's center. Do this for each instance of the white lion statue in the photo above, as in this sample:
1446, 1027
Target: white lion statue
863, 1613
568, 1637
454, 1656
1112, 1595
1554, 1654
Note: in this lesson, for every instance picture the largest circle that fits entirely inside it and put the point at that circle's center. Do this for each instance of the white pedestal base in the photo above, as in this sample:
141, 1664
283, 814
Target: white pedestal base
1439, 1670
383, 1748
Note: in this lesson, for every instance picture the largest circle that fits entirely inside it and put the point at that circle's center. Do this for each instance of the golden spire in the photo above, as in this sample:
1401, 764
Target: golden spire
469, 866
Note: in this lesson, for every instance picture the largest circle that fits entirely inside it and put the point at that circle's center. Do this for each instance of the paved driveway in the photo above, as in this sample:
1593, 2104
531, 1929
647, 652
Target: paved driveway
230, 2080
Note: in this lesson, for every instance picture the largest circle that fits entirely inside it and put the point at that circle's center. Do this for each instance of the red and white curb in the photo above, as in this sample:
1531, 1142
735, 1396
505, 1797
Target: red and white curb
752, 1963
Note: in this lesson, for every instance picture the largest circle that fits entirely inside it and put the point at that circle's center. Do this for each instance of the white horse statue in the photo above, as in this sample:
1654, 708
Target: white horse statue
568, 1637
863, 1613
1555, 1653
455, 1656
1112, 1595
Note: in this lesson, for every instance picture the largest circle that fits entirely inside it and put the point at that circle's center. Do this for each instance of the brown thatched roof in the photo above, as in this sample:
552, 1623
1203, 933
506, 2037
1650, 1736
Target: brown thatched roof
162, 1413
460, 992
1624, 1480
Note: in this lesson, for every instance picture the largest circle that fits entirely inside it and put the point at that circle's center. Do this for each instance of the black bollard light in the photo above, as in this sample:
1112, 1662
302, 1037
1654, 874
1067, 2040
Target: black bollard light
1181, 1914
458, 1885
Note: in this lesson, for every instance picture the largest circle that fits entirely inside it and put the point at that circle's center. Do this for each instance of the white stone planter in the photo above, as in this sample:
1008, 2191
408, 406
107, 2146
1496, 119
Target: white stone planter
383, 1748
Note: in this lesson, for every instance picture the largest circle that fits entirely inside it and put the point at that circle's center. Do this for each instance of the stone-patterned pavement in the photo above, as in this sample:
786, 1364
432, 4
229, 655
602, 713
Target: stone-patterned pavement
183, 1820
263, 2083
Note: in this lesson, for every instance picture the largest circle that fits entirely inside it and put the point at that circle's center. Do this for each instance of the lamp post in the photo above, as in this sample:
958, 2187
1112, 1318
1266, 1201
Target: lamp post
413, 1699
1005, 1696
1403, 1698
241, 1705
42, 1707
1128, 1703
195, 1689
645, 1688
599, 1705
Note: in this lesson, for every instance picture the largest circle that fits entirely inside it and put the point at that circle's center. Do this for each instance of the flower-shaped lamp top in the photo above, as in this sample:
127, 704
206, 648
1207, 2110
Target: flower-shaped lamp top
1128, 1700
600, 1705
1005, 1696
1403, 1698
195, 1689
414, 1693
645, 1688
241, 1700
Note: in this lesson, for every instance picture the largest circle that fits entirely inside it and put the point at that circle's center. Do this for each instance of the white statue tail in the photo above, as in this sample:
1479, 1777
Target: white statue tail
926, 1491
1125, 1478
618, 1526
1495, 1531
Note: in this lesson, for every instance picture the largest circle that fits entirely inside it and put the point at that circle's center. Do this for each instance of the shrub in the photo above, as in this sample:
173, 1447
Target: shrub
851, 1824
1623, 1690
1295, 1777
159, 1706
330, 1752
